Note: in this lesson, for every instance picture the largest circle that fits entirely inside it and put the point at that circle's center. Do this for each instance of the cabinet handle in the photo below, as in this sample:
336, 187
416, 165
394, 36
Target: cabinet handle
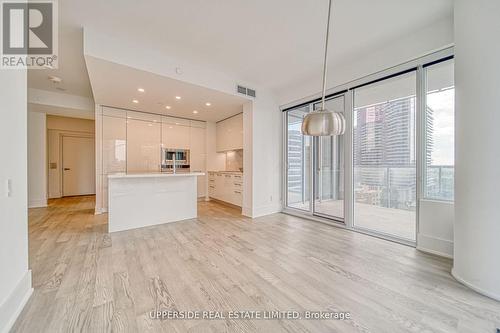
228, 176
237, 184
238, 192
212, 186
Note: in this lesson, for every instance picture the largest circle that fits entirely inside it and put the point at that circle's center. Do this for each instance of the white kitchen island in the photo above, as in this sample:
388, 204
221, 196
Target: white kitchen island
140, 200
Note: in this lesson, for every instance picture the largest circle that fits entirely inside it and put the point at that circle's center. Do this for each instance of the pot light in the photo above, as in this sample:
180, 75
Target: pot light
195, 111
208, 103
168, 107
135, 101
140, 90
177, 97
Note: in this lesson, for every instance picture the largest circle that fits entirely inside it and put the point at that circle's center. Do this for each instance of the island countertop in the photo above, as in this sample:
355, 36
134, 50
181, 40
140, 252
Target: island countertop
155, 175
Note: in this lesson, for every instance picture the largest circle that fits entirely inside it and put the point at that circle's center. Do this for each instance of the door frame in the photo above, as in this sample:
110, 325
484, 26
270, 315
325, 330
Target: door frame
61, 157
316, 185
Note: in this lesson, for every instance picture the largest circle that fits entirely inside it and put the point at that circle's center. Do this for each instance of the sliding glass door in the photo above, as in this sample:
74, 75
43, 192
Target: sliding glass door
384, 157
315, 166
329, 170
298, 161
396, 153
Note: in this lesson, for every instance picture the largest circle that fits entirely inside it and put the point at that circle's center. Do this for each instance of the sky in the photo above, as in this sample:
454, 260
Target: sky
443, 104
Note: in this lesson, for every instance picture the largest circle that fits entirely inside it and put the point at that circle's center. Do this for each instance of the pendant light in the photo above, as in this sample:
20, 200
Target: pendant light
323, 122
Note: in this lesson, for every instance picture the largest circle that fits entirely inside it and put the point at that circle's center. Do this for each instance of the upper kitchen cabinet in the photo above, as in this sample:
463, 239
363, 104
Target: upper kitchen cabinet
143, 145
175, 133
114, 144
230, 134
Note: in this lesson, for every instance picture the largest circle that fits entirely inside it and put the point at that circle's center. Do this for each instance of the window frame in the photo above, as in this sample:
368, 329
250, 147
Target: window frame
425, 68
418, 63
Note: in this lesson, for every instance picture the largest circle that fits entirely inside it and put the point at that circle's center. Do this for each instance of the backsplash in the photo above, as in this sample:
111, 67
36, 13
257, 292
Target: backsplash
234, 160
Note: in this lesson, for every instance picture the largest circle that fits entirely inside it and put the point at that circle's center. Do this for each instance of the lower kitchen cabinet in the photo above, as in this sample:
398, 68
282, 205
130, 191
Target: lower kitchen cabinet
227, 187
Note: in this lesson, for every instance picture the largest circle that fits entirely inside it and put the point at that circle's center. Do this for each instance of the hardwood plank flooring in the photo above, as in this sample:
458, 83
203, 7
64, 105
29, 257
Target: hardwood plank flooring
87, 280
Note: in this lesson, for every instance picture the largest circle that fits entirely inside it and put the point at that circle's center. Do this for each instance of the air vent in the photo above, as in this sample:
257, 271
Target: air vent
242, 90
246, 91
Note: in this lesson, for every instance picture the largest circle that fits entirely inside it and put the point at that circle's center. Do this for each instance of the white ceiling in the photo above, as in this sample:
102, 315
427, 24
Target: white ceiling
117, 85
271, 43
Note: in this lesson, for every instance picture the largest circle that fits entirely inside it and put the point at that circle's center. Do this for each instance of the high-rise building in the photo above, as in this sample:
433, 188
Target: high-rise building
385, 153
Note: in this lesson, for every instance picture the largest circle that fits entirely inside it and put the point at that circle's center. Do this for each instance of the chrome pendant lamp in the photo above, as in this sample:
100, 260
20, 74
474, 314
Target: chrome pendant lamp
323, 122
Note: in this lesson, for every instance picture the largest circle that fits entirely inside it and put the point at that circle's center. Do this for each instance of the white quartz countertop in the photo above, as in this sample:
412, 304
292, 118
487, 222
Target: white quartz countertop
155, 175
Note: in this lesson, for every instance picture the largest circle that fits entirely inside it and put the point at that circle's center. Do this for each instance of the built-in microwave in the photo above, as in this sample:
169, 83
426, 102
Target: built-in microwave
175, 160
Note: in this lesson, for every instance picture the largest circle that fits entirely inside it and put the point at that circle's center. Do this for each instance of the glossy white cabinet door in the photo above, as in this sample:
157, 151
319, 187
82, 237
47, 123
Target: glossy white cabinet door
229, 134
114, 144
143, 146
175, 136
198, 156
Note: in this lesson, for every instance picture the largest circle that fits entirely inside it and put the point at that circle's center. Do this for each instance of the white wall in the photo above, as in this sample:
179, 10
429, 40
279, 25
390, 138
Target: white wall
477, 155
15, 277
266, 142
56, 128
56, 103
435, 229
37, 160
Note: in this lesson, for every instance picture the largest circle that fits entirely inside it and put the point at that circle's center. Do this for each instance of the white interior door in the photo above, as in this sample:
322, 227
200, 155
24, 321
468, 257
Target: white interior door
78, 166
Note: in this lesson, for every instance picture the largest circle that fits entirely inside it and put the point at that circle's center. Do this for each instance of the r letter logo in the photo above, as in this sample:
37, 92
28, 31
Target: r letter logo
29, 34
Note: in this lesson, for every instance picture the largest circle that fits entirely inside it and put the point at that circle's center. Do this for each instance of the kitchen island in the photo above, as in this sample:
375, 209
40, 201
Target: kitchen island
145, 199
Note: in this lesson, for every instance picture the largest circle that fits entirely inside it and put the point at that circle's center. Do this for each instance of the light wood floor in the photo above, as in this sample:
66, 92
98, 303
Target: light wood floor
395, 222
87, 280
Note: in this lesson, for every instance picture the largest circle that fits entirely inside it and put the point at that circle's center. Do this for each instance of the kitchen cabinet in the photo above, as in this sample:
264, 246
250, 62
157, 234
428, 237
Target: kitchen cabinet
114, 149
229, 134
197, 142
114, 144
227, 187
175, 133
143, 146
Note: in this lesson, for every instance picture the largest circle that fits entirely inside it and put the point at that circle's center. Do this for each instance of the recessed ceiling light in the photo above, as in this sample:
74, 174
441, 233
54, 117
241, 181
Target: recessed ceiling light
208, 103
194, 111
177, 97
168, 107
140, 89
135, 101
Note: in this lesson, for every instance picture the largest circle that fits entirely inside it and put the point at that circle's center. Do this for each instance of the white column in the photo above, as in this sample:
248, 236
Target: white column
477, 161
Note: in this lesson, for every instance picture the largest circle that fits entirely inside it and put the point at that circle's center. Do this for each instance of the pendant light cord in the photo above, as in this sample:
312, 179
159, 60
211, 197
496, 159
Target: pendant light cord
326, 55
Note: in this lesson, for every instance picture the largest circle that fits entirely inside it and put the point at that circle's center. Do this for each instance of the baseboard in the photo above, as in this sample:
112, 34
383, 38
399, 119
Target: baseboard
255, 212
14, 304
496, 297
37, 203
434, 245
